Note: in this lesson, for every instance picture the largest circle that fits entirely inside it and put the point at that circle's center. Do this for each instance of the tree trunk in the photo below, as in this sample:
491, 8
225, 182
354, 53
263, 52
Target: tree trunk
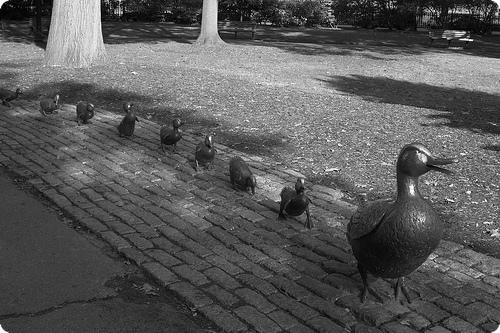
209, 34
75, 35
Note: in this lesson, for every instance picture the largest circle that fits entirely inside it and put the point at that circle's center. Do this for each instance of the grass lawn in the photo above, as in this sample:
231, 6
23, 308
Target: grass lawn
334, 105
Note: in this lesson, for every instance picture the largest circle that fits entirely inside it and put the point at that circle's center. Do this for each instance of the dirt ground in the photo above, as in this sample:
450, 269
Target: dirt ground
334, 105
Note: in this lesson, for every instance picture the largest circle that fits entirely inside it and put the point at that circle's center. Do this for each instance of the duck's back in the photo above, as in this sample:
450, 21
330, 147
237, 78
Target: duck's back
169, 136
204, 154
392, 239
239, 171
295, 204
127, 125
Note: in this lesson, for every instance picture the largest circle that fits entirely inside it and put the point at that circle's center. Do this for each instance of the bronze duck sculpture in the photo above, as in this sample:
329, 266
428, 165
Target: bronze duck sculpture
49, 105
84, 112
295, 202
205, 153
7, 96
170, 136
240, 174
127, 125
391, 239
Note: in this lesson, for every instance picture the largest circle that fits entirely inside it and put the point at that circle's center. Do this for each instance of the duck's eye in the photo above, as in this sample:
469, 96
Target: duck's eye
422, 157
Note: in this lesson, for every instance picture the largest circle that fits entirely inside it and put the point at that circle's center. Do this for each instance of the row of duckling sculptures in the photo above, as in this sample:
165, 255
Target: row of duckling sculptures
389, 238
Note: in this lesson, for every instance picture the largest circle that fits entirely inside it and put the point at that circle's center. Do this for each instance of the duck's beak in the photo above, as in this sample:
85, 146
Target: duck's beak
432, 164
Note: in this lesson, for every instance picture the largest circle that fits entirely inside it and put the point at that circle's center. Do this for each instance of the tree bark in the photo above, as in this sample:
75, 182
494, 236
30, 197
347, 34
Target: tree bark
209, 34
75, 35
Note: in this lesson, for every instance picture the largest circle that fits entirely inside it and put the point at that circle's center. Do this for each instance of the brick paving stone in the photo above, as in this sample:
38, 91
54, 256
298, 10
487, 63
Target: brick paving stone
197, 248
146, 231
191, 294
163, 257
225, 280
255, 269
491, 326
222, 236
477, 313
283, 319
134, 255
276, 253
449, 305
301, 329
247, 237
415, 320
187, 272
437, 329
257, 283
459, 325
324, 325
172, 234
429, 310
224, 265
162, 274
165, 244
93, 224
299, 310
334, 266
222, 295
289, 287
120, 228
223, 319
324, 290
397, 328
338, 314
255, 299
140, 242
362, 328
343, 283
115, 240
192, 260
279, 268
257, 319
250, 252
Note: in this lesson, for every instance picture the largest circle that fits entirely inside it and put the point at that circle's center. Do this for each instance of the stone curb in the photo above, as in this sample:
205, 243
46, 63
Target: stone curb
223, 251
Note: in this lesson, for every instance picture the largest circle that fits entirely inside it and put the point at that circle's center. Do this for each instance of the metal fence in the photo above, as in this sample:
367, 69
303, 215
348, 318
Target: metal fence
474, 23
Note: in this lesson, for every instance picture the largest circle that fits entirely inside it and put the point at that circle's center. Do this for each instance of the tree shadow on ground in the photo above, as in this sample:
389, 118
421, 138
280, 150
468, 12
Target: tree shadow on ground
71, 92
6, 72
21, 32
459, 108
147, 32
309, 41
304, 41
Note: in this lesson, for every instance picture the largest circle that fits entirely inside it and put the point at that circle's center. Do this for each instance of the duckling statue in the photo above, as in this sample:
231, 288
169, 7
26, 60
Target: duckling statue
84, 112
205, 153
7, 96
240, 174
49, 105
391, 239
170, 136
295, 202
127, 125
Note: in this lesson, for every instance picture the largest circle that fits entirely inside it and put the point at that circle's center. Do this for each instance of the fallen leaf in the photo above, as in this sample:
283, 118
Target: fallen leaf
495, 233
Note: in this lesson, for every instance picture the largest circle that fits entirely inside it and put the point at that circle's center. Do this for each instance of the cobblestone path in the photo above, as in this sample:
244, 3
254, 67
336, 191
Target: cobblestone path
224, 252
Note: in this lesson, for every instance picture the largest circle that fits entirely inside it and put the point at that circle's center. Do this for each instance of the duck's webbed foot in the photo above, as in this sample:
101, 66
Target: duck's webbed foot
366, 287
400, 287
309, 224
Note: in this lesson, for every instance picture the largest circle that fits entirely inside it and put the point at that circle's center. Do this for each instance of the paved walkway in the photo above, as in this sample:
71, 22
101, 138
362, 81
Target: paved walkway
224, 252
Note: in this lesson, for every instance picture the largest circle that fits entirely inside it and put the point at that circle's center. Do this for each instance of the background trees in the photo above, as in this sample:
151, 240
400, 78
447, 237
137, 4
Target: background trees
475, 15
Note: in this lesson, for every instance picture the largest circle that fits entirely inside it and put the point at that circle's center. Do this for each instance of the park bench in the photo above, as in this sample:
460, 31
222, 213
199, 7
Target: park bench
237, 26
449, 35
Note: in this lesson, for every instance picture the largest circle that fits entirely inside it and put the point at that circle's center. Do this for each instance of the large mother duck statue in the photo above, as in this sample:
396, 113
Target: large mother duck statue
391, 239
